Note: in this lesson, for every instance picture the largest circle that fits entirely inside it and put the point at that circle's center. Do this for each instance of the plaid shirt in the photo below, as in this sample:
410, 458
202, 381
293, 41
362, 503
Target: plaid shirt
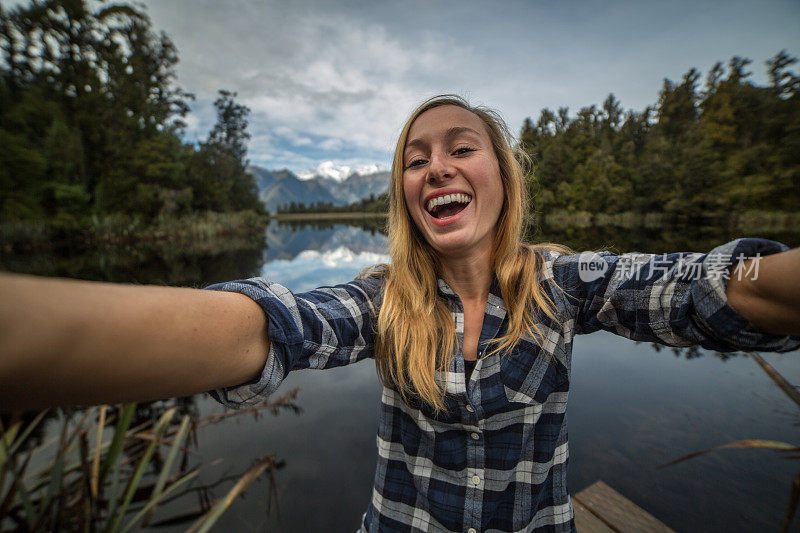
497, 460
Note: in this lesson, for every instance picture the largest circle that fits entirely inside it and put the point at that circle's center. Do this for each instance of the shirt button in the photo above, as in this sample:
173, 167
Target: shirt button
471, 530
470, 409
476, 480
475, 436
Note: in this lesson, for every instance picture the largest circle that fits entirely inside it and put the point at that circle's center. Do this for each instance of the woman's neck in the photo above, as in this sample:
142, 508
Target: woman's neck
468, 277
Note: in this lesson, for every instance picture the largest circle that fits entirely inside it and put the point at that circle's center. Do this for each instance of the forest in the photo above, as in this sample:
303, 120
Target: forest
726, 146
373, 204
92, 123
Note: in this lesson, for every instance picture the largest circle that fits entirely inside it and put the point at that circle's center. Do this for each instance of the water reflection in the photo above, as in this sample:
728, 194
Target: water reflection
633, 408
691, 352
655, 240
186, 263
303, 257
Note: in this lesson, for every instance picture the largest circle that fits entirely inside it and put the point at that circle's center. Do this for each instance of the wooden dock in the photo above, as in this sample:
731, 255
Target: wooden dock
601, 509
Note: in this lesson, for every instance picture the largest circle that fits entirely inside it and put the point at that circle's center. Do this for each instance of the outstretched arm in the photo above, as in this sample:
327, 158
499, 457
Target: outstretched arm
67, 342
768, 293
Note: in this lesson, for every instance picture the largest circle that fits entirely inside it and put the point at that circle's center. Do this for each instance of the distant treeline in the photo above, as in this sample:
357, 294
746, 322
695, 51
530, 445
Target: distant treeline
728, 146
91, 122
366, 205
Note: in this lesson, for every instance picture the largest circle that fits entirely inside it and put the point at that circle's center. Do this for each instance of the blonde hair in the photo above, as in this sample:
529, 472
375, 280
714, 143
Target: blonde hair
415, 335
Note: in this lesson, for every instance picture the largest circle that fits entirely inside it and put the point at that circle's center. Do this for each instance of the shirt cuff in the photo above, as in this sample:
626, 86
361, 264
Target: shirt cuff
254, 392
273, 373
728, 330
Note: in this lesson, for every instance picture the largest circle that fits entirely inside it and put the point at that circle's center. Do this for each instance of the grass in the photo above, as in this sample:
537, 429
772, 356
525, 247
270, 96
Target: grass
759, 221
768, 221
89, 483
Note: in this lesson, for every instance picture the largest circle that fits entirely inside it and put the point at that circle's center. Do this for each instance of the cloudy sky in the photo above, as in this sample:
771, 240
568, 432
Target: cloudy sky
333, 80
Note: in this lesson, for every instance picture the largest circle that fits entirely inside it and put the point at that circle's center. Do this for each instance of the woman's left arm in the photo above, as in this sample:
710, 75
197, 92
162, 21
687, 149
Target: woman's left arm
766, 291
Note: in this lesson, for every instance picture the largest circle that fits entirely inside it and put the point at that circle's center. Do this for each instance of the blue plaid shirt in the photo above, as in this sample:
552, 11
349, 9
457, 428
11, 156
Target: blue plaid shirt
497, 459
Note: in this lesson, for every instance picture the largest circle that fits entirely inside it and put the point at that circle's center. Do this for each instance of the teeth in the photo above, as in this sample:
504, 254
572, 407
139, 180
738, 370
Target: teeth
448, 199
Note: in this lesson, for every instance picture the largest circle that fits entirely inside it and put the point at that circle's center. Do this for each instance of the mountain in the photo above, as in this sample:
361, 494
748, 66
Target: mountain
281, 187
356, 186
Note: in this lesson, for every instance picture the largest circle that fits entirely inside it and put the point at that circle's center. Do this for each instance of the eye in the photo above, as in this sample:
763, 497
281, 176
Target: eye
415, 163
463, 150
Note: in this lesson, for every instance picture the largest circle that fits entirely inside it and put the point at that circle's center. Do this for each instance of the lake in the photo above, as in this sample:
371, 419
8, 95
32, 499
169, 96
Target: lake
633, 405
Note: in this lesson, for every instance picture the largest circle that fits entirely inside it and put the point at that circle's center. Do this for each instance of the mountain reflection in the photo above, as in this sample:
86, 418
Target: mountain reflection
303, 258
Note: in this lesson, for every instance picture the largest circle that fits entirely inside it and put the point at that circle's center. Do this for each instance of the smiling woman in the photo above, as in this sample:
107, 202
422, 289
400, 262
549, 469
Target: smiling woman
471, 330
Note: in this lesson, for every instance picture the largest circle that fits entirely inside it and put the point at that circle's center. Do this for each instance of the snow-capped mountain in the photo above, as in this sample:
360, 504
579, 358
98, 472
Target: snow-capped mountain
279, 188
330, 170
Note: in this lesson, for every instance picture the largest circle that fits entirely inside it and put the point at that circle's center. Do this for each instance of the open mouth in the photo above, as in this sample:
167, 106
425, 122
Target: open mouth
447, 205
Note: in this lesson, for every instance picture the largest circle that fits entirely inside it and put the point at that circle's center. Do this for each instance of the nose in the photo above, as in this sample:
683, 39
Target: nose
440, 168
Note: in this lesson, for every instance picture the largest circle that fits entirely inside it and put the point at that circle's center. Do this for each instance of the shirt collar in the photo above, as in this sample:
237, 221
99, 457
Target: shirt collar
495, 296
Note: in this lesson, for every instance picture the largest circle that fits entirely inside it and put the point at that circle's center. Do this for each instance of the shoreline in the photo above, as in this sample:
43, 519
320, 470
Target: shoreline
302, 217
122, 230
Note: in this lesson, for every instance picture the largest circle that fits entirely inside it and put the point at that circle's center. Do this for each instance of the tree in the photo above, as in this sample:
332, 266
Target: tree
83, 86
230, 132
222, 182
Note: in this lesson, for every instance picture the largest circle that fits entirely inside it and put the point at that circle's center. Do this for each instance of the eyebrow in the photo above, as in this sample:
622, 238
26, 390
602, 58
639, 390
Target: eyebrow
455, 131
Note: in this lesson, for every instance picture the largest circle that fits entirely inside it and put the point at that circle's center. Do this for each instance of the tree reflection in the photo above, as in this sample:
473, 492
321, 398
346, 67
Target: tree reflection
186, 263
585, 233
692, 352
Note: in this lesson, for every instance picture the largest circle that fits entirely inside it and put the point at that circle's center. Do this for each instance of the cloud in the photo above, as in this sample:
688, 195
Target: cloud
327, 78
334, 80
311, 268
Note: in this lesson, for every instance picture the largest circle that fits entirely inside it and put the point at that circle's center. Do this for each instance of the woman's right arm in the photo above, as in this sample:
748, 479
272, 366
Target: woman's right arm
68, 342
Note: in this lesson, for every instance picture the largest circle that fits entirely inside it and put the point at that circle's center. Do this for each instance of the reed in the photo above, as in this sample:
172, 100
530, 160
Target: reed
86, 482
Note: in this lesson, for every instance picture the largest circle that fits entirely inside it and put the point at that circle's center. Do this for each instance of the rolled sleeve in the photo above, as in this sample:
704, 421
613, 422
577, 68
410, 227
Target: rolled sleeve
718, 318
676, 299
247, 394
323, 328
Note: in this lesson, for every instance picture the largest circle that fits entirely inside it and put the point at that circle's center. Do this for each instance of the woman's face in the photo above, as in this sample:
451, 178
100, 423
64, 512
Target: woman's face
451, 181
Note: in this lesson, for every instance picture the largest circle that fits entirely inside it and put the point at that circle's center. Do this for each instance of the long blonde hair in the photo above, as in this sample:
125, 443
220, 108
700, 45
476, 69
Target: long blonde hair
415, 332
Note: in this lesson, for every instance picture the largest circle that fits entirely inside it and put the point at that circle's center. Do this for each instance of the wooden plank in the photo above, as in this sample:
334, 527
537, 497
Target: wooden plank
616, 511
586, 522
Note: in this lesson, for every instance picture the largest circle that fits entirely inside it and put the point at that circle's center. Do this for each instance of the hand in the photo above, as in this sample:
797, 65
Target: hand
766, 291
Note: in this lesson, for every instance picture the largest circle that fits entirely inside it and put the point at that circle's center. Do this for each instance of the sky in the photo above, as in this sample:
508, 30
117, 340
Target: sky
331, 82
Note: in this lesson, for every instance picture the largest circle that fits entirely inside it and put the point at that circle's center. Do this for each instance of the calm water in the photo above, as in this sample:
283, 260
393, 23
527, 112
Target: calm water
632, 406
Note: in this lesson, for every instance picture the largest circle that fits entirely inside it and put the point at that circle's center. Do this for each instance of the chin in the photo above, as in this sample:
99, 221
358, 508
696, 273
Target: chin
449, 246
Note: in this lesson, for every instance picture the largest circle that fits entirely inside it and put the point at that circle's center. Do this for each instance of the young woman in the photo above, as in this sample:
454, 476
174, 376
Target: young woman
470, 328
